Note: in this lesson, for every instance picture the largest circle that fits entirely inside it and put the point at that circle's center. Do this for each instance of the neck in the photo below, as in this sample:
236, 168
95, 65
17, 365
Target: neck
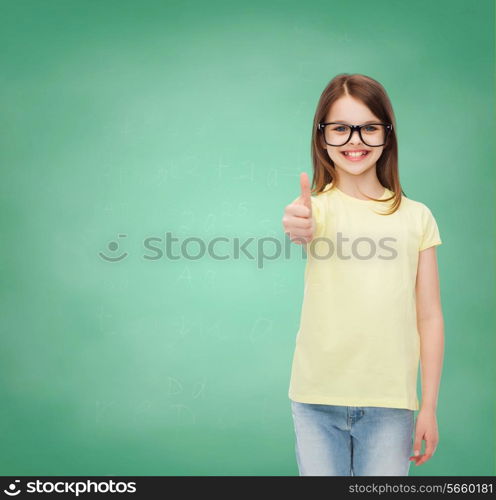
360, 185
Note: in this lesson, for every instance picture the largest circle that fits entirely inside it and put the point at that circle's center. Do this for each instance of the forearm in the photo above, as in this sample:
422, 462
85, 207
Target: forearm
431, 359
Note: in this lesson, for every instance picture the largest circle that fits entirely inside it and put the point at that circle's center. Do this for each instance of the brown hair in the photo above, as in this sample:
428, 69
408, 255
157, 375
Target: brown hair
374, 96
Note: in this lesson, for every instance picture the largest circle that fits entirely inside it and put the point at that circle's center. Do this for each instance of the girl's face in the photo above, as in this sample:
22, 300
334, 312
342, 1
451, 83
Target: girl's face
350, 111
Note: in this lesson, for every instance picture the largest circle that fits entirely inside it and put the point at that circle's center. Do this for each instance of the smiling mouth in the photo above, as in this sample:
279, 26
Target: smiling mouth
356, 156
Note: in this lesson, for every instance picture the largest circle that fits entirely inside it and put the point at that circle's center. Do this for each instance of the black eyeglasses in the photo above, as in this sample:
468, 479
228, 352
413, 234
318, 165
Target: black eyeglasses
371, 134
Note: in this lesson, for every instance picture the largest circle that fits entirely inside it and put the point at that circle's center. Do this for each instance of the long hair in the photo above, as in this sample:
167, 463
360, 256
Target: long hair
371, 93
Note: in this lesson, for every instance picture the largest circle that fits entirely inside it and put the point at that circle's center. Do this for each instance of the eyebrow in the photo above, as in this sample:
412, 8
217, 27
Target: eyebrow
364, 123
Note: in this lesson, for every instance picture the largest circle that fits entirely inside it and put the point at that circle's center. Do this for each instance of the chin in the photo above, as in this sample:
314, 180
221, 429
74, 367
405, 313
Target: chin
354, 169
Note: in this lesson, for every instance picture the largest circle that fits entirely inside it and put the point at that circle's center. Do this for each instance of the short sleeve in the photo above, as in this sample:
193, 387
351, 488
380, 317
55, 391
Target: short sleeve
318, 216
430, 232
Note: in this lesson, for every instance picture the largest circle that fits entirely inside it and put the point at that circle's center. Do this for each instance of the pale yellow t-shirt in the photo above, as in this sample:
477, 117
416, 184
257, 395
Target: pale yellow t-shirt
358, 342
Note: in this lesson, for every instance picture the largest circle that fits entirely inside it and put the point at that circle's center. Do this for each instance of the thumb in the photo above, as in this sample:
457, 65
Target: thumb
305, 191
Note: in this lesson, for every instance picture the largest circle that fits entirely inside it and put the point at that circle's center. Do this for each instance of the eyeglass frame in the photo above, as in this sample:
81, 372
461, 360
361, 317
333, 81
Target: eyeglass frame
321, 128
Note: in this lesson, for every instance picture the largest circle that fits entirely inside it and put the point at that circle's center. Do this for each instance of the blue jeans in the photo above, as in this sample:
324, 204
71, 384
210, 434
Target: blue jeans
352, 440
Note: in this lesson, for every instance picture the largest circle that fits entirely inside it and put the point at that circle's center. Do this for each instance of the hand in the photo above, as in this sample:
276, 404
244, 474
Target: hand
297, 221
426, 429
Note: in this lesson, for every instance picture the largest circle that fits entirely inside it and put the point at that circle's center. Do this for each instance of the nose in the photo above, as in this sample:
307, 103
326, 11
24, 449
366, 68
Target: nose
358, 139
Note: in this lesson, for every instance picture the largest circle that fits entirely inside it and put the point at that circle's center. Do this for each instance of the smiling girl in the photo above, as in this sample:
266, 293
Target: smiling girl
371, 307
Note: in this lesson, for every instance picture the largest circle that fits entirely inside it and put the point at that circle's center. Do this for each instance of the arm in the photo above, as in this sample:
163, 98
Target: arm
430, 325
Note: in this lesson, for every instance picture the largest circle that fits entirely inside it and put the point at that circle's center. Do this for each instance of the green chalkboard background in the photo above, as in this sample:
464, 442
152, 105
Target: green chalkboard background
121, 121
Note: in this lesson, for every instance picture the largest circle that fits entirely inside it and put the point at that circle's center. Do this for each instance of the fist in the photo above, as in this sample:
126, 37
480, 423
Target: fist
297, 221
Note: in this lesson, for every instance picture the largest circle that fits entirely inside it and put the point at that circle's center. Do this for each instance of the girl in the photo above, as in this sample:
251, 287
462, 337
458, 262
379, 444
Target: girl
371, 307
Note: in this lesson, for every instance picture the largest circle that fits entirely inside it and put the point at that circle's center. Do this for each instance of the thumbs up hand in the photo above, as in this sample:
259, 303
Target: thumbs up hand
297, 221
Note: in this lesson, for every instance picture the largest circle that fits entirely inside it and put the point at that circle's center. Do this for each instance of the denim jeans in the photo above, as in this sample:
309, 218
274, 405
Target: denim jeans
352, 440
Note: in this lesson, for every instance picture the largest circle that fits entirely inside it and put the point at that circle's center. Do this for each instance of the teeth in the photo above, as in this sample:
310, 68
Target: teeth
356, 154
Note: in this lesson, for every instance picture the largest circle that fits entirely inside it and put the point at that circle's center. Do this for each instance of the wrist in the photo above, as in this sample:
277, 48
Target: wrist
428, 408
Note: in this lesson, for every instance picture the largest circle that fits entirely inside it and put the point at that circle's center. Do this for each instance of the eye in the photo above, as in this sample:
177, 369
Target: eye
370, 128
